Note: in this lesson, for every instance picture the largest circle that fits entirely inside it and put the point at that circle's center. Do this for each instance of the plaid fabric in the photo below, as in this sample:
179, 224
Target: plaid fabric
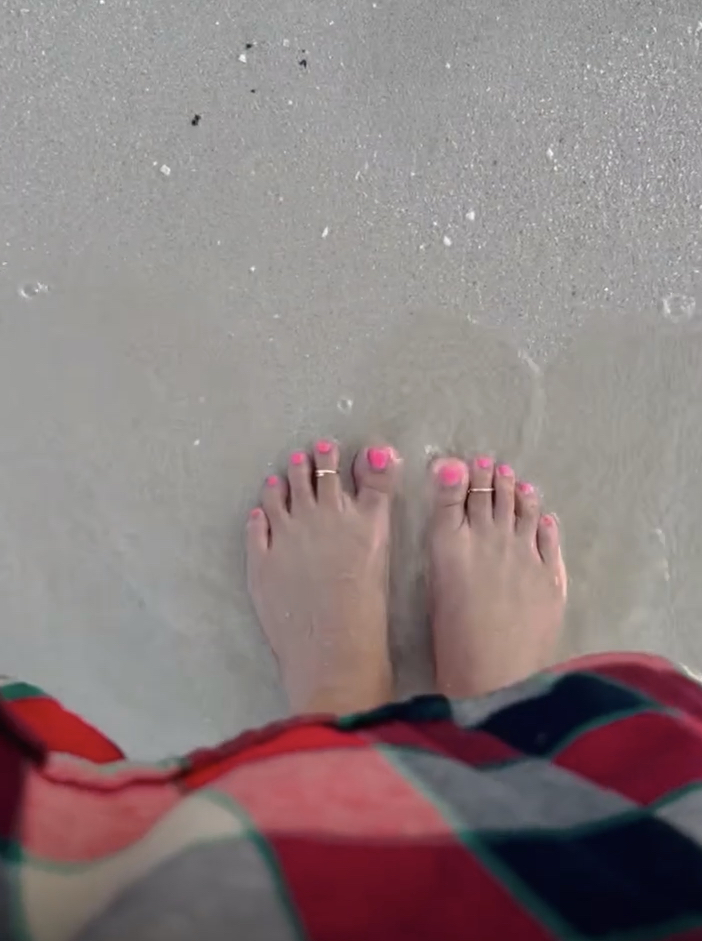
569, 806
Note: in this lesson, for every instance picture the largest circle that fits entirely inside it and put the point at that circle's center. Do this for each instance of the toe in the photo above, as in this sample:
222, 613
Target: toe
300, 482
275, 500
326, 458
375, 471
504, 496
548, 540
526, 510
449, 487
479, 501
257, 532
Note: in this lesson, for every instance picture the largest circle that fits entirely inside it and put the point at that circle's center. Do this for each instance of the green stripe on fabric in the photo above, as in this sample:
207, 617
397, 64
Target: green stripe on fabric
15, 853
613, 681
672, 796
658, 933
278, 878
568, 833
546, 756
610, 719
13, 864
563, 930
419, 709
17, 914
520, 892
531, 903
20, 690
266, 851
599, 722
11, 851
270, 860
544, 679
526, 691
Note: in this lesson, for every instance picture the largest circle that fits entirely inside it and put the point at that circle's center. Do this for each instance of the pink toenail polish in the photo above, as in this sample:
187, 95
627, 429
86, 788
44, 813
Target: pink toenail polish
548, 521
378, 458
451, 475
297, 458
272, 481
504, 470
484, 462
256, 513
525, 488
324, 447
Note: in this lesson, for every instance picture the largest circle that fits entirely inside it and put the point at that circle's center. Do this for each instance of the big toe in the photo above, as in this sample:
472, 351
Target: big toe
449, 488
376, 472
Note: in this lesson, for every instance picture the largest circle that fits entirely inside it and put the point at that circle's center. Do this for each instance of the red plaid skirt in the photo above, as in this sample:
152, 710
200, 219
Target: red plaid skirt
568, 806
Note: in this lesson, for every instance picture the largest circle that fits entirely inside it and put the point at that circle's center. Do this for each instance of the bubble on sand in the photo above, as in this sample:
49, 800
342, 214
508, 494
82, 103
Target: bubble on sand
345, 405
32, 289
679, 308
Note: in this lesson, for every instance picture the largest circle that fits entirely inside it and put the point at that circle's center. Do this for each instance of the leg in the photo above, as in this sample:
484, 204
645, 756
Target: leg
318, 577
497, 578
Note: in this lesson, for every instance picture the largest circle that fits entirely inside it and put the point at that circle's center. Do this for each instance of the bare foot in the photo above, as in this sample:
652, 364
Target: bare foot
497, 579
318, 577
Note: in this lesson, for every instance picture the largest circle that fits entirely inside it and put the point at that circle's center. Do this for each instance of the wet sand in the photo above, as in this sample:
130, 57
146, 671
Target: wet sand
463, 229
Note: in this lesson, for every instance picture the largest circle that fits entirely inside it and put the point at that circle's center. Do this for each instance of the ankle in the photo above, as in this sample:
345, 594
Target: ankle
344, 699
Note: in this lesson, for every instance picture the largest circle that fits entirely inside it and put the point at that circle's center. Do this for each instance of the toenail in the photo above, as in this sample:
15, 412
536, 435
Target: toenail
324, 447
272, 481
484, 462
548, 521
451, 474
378, 458
525, 488
504, 470
298, 458
256, 513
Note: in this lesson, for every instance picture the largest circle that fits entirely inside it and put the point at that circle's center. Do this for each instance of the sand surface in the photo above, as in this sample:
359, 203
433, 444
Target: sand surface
462, 226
